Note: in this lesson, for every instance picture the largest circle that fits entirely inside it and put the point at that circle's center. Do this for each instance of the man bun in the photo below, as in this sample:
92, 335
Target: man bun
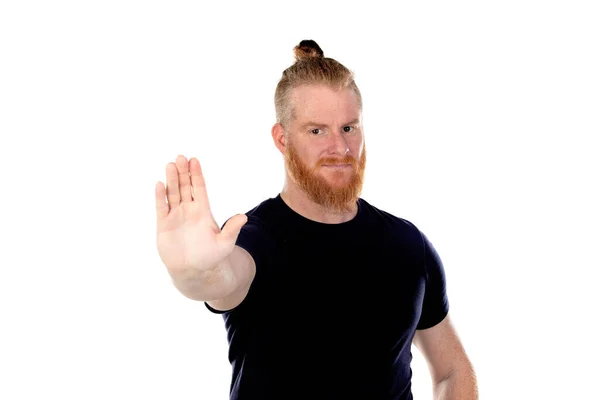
311, 67
307, 49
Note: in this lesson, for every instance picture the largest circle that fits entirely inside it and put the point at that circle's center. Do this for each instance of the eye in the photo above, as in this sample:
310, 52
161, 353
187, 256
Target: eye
348, 129
315, 131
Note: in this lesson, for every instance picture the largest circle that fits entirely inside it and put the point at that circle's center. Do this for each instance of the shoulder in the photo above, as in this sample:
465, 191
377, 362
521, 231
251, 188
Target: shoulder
266, 214
392, 222
261, 218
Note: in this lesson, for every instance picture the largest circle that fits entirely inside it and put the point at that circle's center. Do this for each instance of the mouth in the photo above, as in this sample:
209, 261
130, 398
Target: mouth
337, 166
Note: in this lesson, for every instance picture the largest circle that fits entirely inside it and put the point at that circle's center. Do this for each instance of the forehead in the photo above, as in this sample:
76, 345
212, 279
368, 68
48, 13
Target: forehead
323, 104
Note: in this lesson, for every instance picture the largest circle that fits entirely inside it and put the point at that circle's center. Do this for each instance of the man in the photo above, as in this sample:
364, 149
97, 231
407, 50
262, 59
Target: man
322, 293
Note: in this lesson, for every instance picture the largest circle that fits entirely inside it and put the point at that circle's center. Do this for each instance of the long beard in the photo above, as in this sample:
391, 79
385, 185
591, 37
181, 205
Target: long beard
338, 193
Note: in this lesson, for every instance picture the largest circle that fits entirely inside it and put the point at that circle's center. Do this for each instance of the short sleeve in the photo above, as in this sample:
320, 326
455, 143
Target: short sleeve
435, 302
255, 238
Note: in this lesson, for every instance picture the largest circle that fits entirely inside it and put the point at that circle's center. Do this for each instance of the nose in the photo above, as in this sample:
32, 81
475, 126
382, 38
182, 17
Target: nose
338, 145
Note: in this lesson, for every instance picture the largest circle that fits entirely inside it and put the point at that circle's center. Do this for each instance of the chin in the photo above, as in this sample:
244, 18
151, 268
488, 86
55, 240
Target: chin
338, 183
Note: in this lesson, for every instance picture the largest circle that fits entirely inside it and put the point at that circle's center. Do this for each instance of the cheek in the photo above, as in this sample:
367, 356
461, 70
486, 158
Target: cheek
310, 156
307, 158
357, 145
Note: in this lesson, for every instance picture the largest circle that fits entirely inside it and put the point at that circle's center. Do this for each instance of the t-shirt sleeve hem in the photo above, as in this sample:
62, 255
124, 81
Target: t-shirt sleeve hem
433, 322
215, 311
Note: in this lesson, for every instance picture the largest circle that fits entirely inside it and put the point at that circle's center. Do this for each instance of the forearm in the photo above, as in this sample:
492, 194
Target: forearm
206, 285
459, 385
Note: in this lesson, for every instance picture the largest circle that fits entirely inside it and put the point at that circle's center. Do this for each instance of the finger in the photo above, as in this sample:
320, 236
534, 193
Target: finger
172, 186
162, 208
198, 184
233, 226
185, 187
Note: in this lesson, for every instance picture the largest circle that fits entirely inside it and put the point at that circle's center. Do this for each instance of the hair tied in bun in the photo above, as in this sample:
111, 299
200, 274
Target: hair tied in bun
307, 49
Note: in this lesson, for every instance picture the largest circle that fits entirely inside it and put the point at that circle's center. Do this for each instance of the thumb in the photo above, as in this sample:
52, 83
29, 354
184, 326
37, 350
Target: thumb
233, 226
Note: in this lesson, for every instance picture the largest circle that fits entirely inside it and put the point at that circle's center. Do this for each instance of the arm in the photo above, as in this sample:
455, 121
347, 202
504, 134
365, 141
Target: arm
203, 261
224, 286
452, 374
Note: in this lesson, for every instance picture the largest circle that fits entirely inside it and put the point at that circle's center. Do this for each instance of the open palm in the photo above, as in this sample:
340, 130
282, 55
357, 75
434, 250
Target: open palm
187, 235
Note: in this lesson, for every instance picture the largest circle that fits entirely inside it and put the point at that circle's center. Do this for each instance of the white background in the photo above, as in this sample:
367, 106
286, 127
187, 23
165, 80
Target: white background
481, 121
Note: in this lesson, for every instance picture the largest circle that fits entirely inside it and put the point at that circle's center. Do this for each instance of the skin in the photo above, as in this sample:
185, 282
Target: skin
452, 374
324, 151
327, 129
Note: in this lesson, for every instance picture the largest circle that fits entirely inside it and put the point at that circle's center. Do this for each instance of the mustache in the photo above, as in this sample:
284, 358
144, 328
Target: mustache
337, 161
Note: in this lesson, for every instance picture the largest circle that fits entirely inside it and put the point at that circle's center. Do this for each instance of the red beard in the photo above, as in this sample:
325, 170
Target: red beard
339, 192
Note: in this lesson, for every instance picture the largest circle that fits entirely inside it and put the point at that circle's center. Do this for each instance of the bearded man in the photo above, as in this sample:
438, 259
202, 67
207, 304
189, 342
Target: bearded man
322, 294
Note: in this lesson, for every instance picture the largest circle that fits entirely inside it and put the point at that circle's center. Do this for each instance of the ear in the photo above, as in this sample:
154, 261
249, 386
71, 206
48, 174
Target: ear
278, 134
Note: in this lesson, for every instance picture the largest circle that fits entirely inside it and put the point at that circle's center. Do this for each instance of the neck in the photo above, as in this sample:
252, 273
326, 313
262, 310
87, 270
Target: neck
299, 201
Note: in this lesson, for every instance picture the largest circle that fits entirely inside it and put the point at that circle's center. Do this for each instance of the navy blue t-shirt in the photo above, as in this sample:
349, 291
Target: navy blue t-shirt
333, 308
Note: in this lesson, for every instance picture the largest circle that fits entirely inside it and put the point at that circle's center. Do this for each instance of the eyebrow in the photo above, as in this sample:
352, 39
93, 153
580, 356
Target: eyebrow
353, 122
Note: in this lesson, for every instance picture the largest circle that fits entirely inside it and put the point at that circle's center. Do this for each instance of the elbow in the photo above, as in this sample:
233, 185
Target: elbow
459, 383
200, 286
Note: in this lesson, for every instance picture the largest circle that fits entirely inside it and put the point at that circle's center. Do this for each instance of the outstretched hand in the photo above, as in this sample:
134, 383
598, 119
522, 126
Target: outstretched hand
187, 235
